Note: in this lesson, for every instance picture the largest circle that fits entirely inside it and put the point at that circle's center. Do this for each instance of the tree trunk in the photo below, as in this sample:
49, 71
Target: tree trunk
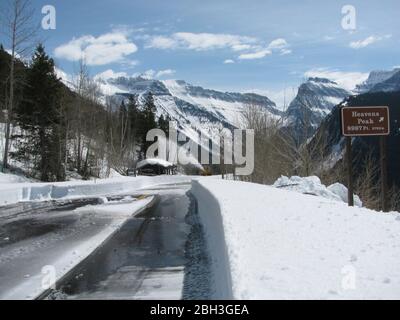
10, 102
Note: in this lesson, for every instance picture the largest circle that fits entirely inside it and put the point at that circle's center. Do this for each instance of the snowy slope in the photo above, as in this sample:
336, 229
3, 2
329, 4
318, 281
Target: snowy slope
194, 108
389, 85
6, 178
226, 106
374, 78
285, 245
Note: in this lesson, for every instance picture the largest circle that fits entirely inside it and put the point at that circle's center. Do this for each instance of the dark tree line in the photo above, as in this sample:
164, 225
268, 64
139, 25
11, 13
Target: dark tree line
39, 116
57, 131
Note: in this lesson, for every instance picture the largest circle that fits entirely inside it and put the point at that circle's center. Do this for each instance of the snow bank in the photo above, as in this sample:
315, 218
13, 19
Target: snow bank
15, 192
313, 186
211, 219
286, 245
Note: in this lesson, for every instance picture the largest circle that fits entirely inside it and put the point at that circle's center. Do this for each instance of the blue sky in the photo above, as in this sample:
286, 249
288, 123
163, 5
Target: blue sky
229, 45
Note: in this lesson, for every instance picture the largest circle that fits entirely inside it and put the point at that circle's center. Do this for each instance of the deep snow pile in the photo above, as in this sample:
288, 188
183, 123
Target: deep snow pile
313, 186
286, 245
15, 192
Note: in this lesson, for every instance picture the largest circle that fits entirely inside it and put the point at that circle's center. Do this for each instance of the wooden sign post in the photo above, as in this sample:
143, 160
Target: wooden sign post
349, 160
366, 121
384, 187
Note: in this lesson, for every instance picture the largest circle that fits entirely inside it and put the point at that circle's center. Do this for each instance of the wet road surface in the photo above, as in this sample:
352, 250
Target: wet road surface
33, 219
34, 234
159, 254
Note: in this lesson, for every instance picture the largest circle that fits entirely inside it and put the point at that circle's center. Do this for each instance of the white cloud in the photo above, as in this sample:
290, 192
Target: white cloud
110, 74
249, 47
229, 61
201, 41
367, 41
255, 55
278, 44
285, 51
65, 77
163, 73
347, 80
281, 45
107, 48
241, 47
152, 74
149, 74
129, 64
161, 42
363, 43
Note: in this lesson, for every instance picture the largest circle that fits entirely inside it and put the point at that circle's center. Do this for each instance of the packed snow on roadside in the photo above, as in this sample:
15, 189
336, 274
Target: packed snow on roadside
313, 186
16, 192
279, 244
64, 255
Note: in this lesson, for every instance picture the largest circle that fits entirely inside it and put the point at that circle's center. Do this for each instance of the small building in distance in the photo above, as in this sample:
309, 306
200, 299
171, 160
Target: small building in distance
155, 167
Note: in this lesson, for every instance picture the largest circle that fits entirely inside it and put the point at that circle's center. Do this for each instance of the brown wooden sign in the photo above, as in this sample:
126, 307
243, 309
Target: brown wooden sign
365, 121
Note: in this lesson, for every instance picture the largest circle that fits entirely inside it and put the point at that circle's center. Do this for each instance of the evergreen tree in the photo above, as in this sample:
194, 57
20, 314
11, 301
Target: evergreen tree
163, 123
149, 111
39, 117
133, 116
147, 121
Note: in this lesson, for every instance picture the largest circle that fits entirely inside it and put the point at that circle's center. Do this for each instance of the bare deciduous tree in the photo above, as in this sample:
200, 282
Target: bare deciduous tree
19, 28
270, 160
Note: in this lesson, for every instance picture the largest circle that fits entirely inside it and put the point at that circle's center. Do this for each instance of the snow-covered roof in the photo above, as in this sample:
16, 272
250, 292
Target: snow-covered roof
154, 162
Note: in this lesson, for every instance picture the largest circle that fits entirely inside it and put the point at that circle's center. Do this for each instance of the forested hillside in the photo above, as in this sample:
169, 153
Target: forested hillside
58, 133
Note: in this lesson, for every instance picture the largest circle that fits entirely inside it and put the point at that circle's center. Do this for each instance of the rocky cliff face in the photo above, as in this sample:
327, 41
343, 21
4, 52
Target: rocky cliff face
315, 100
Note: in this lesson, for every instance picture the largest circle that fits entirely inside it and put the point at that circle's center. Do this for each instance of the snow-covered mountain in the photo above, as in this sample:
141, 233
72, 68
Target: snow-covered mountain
389, 85
224, 105
376, 78
194, 108
314, 101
